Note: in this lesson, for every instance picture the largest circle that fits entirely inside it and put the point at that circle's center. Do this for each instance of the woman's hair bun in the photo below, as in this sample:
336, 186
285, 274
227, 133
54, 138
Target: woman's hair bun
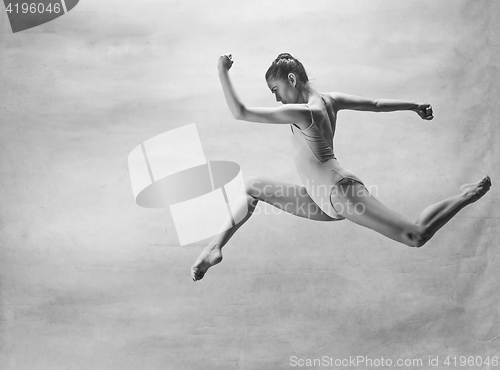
286, 56
284, 64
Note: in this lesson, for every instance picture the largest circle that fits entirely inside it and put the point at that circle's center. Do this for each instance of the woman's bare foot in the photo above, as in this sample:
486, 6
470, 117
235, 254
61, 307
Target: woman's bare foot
476, 190
209, 257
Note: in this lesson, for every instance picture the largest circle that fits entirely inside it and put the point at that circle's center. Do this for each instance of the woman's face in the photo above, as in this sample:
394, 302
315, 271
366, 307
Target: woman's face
284, 90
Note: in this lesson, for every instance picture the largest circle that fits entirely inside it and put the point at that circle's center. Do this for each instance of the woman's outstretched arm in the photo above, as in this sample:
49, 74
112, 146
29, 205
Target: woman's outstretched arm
353, 102
233, 101
286, 114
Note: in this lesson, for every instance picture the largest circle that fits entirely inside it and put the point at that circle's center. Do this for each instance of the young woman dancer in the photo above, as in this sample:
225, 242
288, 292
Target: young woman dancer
329, 192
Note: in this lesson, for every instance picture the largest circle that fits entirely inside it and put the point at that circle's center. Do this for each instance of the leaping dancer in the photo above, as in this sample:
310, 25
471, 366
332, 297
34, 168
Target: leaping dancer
329, 191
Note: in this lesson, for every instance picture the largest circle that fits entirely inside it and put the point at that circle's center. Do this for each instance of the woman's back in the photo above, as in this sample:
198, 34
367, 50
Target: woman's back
318, 135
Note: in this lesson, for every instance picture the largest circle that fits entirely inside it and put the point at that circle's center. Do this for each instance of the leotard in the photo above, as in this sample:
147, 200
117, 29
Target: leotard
316, 163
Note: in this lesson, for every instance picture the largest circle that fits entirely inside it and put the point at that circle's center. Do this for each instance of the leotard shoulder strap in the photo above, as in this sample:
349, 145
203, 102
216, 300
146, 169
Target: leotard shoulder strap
312, 121
312, 118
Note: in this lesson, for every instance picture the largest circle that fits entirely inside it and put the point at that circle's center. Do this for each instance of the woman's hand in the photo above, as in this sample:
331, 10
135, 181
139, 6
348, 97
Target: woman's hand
424, 110
225, 62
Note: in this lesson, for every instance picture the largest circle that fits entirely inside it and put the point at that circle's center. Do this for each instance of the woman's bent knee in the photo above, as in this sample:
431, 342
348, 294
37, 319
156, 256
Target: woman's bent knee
252, 186
412, 240
416, 238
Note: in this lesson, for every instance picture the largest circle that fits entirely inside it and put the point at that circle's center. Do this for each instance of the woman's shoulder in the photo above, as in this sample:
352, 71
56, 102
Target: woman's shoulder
329, 99
328, 111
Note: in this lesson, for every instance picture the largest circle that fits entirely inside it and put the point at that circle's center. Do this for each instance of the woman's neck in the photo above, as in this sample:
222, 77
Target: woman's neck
306, 92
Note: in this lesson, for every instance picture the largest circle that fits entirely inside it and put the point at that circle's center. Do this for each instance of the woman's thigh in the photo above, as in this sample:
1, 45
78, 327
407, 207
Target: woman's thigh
353, 201
288, 197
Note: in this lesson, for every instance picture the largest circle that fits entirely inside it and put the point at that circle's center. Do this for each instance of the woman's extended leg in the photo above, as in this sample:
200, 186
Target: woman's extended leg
287, 197
355, 203
437, 215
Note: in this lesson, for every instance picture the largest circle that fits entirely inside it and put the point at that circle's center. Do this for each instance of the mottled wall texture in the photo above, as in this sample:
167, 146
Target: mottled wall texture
90, 280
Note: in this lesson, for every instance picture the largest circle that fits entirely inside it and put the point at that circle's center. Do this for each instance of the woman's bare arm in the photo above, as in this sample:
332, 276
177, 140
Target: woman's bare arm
286, 114
353, 102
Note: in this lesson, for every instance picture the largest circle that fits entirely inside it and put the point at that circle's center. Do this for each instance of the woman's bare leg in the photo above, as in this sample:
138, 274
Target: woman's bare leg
437, 215
287, 197
212, 254
355, 203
